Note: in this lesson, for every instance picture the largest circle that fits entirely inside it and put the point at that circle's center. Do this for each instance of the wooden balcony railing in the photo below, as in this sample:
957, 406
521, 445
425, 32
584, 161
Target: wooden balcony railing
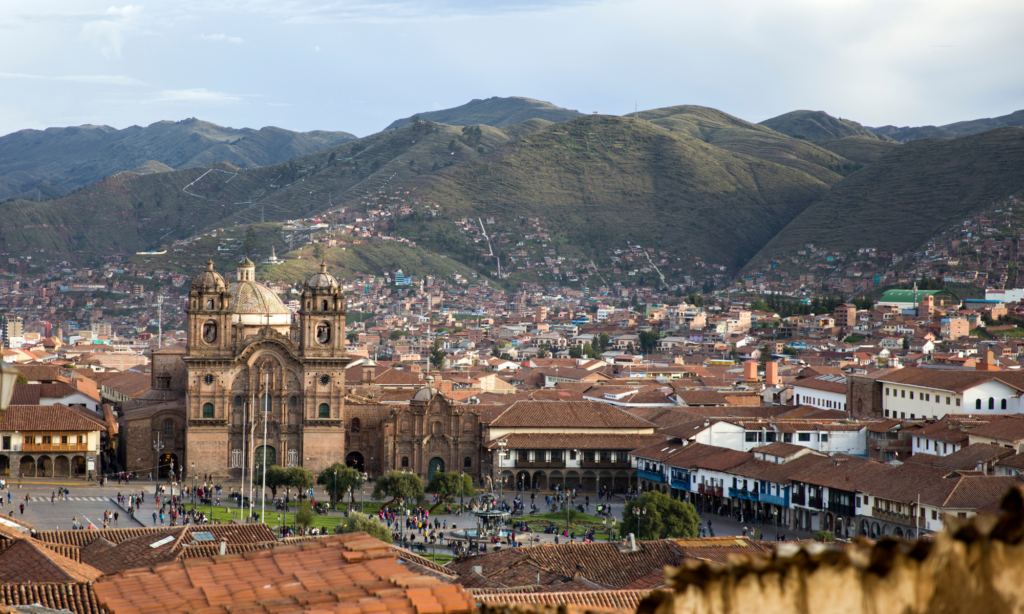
55, 447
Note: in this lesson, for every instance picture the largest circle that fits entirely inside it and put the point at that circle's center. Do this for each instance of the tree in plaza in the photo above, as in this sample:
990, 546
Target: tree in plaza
361, 522
338, 479
304, 515
277, 477
301, 479
449, 484
665, 517
398, 485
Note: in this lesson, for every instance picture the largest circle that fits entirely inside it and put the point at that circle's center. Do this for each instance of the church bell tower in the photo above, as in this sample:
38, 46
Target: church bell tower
322, 314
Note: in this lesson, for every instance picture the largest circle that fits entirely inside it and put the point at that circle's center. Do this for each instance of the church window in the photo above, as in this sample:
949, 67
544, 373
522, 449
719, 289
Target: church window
991, 403
325, 410
293, 401
323, 333
208, 410
163, 383
238, 401
210, 331
209, 303
405, 461
236, 458
325, 379
468, 462
355, 425
1002, 404
265, 403
323, 306
168, 427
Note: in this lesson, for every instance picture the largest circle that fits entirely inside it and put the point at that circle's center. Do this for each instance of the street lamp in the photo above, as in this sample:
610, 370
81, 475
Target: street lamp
365, 476
193, 485
334, 495
639, 513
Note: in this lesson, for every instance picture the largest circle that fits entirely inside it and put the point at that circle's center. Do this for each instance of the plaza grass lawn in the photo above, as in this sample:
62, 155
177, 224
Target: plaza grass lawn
271, 518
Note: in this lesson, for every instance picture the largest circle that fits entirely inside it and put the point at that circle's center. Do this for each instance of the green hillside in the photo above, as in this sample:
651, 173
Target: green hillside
81, 155
955, 129
862, 149
496, 111
157, 208
817, 126
599, 180
910, 194
228, 246
736, 135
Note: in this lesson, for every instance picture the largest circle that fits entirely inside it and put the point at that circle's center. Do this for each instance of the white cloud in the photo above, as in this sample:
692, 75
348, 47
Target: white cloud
196, 96
109, 33
221, 38
99, 79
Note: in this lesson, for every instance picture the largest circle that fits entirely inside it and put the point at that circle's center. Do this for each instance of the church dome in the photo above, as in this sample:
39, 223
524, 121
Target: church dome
209, 280
254, 297
250, 296
323, 280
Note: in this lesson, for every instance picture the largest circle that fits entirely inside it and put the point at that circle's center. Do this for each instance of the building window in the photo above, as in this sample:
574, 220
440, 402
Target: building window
168, 427
63, 438
1002, 404
824, 437
911, 395
927, 397
886, 392
81, 439
803, 436
238, 401
47, 439
991, 403
751, 436
977, 404
787, 437
467, 462
958, 402
405, 461
935, 515
556, 456
947, 401
207, 410
903, 394
293, 401
887, 413
30, 439
355, 425
572, 455
325, 410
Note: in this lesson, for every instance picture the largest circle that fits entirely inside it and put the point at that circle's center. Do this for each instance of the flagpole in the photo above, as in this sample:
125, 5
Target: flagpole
266, 402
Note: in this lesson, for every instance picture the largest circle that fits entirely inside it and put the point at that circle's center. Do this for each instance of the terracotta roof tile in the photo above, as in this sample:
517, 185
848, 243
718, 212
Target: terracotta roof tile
347, 573
554, 414
55, 417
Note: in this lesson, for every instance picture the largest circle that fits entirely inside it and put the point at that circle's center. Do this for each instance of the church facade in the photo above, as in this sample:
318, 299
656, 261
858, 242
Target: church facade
258, 383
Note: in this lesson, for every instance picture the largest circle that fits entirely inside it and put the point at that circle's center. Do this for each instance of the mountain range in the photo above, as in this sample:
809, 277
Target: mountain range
705, 187
976, 126
31, 161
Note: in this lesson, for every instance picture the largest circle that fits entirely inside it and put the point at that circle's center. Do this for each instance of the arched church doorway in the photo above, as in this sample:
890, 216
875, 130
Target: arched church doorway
266, 454
436, 464
355, 460
166, 462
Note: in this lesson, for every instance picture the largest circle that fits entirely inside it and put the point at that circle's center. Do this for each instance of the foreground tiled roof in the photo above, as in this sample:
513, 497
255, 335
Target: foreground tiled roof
351, 573
74, 597
27, 560
608, 600
55, 417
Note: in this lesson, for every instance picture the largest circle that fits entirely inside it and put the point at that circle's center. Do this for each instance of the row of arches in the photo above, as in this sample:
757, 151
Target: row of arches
585, 481
45, 466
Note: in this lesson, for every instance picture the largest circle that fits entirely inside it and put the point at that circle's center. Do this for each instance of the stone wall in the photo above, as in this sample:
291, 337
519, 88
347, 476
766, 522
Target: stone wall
863, 397
976, 567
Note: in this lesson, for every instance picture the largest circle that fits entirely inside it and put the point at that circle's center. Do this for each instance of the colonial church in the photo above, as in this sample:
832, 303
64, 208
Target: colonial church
249, 363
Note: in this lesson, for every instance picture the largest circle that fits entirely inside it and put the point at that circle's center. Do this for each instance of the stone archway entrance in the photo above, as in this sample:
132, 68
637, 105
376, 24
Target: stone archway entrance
167, 460
78, 465
62, 466
355, 460
45, 467
5, 465
436, 464
27, 466
266, 454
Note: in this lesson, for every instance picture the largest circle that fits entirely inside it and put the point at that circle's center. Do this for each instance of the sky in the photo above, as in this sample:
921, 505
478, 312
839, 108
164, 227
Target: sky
357, 65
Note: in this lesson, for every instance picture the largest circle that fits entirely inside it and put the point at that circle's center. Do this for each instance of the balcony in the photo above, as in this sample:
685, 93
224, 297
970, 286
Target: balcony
798, 498
523, 464
708, 489
605, 464
781, 501
653, 476
742, 493
893, 517
681, 483
815, 502
55, 447
841, 509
